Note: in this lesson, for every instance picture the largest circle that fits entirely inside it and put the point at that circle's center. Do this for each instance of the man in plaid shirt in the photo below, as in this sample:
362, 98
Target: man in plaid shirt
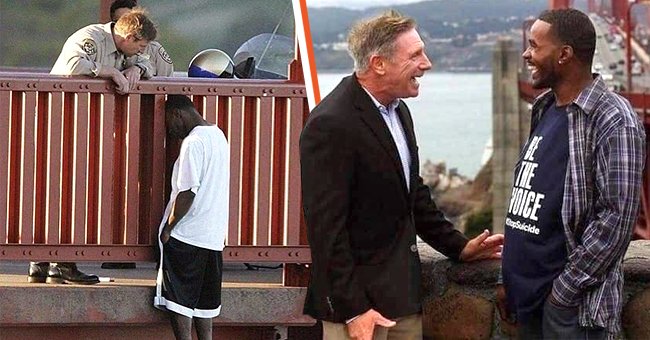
575, 194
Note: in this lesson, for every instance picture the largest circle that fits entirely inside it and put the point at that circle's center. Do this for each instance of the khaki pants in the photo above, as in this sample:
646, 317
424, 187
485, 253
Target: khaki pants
407, 328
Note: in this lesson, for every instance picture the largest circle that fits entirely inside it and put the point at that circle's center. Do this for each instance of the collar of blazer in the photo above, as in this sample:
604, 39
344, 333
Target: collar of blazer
371, 116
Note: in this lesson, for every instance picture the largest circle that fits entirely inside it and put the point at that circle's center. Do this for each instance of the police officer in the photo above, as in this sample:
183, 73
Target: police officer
112, 50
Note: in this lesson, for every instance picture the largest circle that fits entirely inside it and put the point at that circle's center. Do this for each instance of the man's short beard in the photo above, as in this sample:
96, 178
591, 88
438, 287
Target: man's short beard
546, 82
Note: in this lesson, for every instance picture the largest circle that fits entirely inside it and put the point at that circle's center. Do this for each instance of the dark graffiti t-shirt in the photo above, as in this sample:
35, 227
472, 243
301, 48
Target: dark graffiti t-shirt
535, 248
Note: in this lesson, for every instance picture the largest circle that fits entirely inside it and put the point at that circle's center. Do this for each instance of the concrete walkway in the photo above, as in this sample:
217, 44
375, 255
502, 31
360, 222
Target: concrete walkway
255, 306
14, 273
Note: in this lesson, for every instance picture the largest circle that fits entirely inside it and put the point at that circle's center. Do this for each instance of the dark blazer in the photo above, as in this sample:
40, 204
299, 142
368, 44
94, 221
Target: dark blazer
361, 219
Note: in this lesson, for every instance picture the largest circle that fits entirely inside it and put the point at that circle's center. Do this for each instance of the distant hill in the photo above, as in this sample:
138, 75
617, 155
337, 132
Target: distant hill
222, 24
458, 33
32, 32
330, 24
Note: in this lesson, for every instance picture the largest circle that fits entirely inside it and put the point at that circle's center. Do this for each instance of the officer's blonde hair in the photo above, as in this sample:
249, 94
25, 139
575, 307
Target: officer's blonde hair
136, 23
376, 36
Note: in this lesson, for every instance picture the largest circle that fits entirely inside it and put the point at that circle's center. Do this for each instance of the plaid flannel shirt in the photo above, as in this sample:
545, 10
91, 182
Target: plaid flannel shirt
600, 202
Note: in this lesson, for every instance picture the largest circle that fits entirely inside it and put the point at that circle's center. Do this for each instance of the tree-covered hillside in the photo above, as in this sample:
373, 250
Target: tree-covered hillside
32, 32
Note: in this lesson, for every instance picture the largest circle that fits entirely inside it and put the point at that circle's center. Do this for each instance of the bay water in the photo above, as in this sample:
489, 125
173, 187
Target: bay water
452, 117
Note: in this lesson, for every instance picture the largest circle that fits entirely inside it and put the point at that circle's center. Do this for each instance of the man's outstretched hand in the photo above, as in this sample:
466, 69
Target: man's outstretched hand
483, 247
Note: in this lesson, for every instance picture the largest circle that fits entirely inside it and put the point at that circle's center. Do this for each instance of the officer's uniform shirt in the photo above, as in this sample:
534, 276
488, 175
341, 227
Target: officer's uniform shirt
91, 48
160, 60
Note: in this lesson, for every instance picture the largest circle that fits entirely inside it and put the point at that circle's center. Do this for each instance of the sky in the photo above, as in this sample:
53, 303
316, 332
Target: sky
356, 4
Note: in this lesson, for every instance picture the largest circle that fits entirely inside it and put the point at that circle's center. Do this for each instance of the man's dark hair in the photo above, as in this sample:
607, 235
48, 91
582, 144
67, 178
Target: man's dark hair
178, 102
121, 4
574, 28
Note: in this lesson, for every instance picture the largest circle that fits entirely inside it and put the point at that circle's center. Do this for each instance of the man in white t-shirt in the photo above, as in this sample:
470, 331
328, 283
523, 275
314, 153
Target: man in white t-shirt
193, 229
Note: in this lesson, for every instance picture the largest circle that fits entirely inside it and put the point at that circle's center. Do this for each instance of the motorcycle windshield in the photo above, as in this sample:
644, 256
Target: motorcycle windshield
268, 56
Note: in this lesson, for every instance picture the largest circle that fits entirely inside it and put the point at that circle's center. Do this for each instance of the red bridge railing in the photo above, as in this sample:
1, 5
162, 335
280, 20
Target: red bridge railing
84, 172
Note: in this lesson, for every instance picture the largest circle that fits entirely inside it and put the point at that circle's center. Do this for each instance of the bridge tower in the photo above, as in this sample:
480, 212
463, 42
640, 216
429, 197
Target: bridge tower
592, 7
619, 10
555, 4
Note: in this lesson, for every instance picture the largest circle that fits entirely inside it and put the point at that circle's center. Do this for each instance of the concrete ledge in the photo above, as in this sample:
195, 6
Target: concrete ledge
122, 303
459, 297
147, 332
458, 302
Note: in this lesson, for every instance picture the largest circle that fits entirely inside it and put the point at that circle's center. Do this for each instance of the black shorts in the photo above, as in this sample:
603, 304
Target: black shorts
191, 279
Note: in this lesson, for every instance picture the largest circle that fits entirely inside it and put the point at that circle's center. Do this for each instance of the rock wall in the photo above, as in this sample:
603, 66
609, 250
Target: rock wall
459, 297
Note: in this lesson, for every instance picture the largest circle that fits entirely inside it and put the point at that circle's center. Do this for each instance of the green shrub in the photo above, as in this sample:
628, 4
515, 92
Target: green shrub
477, 222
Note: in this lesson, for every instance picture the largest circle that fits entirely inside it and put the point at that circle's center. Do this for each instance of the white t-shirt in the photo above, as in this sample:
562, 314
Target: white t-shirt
203, 166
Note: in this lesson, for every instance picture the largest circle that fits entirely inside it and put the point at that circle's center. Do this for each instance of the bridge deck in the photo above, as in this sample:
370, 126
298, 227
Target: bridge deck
255, 299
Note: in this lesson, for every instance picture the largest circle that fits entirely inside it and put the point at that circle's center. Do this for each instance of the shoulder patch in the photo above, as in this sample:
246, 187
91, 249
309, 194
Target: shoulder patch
163, 54
89, 46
